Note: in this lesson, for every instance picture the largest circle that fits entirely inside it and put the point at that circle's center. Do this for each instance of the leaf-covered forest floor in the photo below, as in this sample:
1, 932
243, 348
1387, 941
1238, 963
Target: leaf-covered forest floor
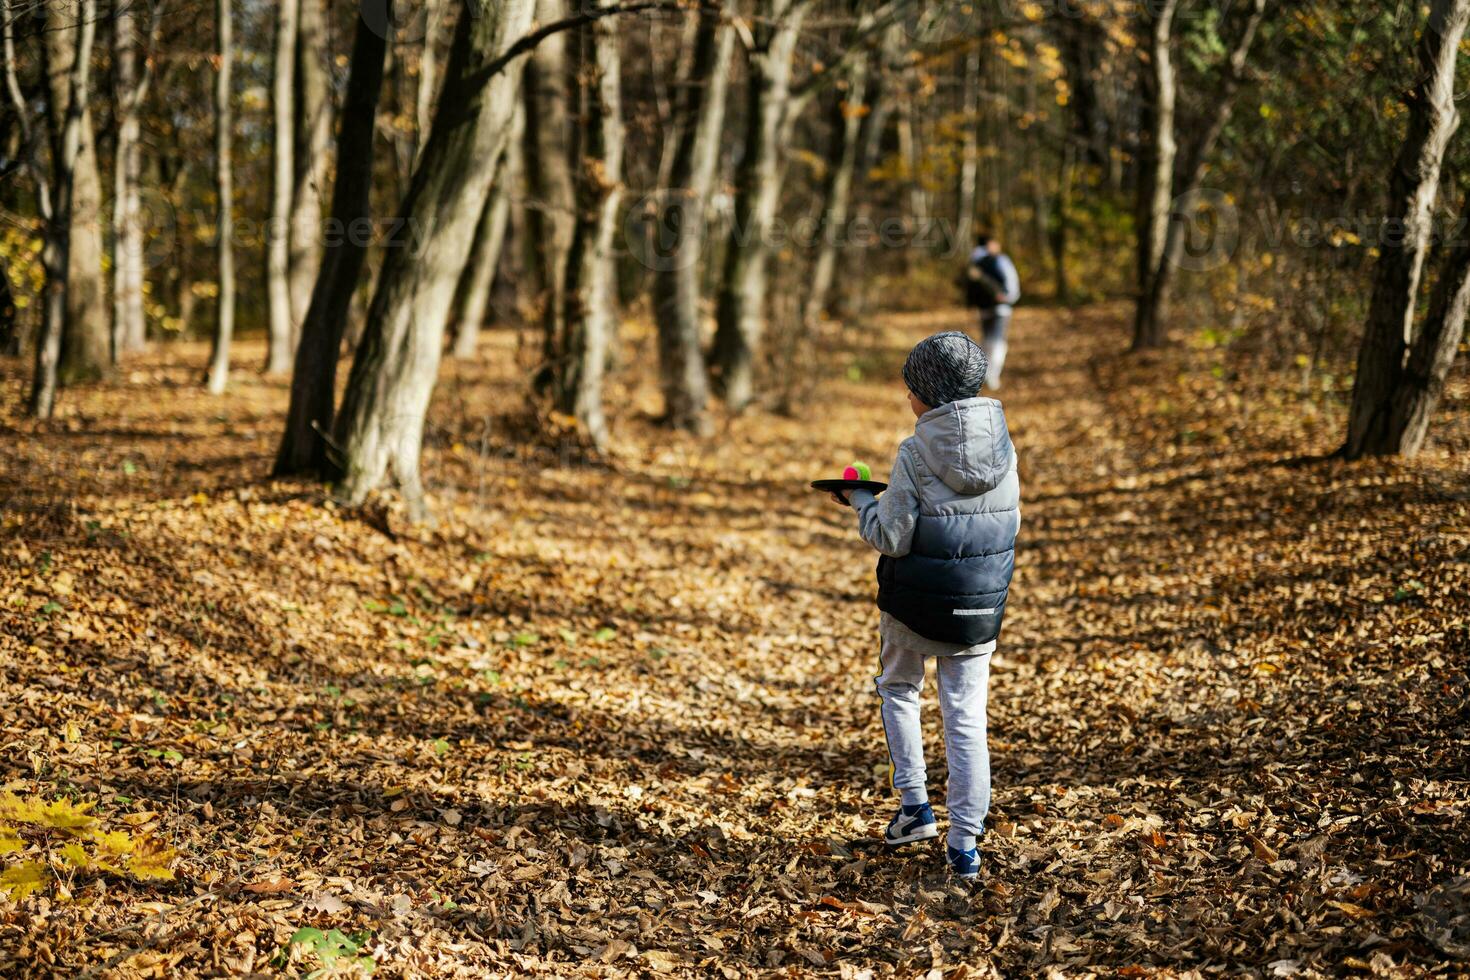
612, 720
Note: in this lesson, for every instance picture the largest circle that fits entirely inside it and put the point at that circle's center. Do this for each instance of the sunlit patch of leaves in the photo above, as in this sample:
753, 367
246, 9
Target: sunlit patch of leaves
330, 952
59, 840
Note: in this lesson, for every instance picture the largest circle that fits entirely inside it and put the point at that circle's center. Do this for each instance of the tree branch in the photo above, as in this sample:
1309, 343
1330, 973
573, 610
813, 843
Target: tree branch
44, 203
869, 24
527, 43
1230, 82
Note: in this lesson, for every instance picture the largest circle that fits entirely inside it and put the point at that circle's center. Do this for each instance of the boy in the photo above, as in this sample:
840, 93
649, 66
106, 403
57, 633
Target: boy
946, 529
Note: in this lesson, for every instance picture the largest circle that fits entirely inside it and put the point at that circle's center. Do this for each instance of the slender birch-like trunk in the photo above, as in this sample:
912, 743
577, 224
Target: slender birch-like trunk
908, 149
681, 223
428, 73
1156, 190
311, 158
479, 275
282, 328
224, 177
838, 192
86, 341
964, 228
54, 191
741, 314
853, 301
129, 326
1151, 317
591, 293
547, 168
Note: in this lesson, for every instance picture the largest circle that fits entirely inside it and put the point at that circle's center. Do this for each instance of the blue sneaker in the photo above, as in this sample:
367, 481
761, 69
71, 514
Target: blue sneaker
965, 864
911, 823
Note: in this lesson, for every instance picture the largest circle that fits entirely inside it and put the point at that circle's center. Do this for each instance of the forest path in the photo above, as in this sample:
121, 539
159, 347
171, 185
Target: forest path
612, 719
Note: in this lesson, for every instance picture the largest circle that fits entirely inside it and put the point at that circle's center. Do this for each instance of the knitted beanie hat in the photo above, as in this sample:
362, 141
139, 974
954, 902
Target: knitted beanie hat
947, 367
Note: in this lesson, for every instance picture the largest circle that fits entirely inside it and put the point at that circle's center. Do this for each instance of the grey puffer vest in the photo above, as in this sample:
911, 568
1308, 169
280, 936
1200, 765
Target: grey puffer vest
953, 584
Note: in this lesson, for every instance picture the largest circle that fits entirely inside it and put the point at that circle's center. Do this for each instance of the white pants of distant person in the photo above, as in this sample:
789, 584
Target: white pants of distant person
964, 677
993, 329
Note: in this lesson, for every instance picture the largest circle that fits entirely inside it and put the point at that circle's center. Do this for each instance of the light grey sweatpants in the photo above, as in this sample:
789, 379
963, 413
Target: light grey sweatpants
964, 678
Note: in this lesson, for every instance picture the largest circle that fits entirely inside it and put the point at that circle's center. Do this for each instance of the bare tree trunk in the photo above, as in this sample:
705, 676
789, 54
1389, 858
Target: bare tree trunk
1154, 304
681, 223
54, 192
1422, 382
549, 212
400, 138
428, 72
86, 342
591, 287
312, 153
741, 316
1035, 169
1157, 190
86, 346
518, 260
670, 103
53, 322
224, 123
387, 399
479, 276
1066, 174
838, 192
710, 121
1079, 40
854, 301
994, 122
129, 326
908, 150
309, 417
1391, 401
127, 286
283, 179
9, 327
969, 155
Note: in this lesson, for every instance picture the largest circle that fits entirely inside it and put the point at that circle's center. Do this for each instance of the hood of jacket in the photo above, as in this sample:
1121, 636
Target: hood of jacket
966, 444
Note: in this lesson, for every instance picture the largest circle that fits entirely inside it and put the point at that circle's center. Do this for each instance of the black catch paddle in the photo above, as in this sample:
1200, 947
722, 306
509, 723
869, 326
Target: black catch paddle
832, 486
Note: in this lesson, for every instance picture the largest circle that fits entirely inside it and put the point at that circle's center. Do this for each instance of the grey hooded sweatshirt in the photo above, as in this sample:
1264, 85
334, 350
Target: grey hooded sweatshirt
946, 526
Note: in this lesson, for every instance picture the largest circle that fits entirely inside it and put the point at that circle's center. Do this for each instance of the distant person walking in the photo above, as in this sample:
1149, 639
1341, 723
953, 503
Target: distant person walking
991, 286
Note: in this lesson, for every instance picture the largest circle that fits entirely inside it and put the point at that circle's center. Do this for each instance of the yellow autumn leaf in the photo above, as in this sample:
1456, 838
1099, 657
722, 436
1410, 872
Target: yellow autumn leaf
17, 810
150, 861
75, 855
67, 817
10, 841
20, 880
114, 844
